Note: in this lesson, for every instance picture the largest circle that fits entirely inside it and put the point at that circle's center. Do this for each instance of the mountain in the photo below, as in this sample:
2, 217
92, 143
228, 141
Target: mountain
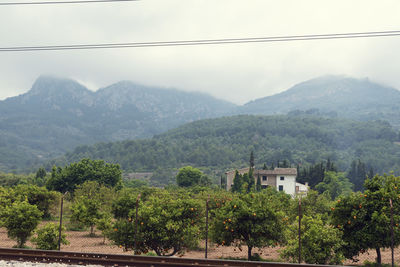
58, 114
336, 96
225, 143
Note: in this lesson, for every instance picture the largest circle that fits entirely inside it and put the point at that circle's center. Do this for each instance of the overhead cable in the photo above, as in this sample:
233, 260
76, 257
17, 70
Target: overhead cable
62, 2
203, 42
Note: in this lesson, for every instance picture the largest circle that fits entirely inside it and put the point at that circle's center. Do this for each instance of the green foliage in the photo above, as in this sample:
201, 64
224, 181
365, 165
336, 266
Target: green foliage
98, 192
47, 237
313, 204
134, 183
334, 185
225, 143
11, 179
248, 219
358, 173
42, 198
123, 234
315, 174
364, 218
40, 177
169, 224
21, 219
104, 224
123, 206
320, 242
66, 179
86, 211
189, 176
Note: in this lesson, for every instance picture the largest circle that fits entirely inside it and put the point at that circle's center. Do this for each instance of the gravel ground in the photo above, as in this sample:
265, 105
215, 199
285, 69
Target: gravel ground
35, 264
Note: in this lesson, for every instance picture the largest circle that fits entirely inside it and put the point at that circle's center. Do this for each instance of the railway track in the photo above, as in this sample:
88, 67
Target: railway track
47, 256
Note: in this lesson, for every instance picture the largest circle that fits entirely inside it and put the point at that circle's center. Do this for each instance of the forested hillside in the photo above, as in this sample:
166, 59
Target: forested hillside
59, 114
340, 96
226, 143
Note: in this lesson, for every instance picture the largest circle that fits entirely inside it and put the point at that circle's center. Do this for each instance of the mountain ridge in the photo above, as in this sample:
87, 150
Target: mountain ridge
58, 114
352, 98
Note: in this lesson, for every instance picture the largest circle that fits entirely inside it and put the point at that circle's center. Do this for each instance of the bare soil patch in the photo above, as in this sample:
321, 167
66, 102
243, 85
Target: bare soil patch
82, 242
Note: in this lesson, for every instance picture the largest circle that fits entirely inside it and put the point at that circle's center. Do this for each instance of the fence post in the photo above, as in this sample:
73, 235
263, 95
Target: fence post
60, 227
208, 199
136, 222
299, 229
391, 230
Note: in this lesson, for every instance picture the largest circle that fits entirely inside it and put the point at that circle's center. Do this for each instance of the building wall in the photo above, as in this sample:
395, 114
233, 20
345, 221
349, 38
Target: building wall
273, 178
288, 183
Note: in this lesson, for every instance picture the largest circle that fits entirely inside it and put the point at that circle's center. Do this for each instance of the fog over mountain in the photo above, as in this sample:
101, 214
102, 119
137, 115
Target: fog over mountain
58, 114
335, 96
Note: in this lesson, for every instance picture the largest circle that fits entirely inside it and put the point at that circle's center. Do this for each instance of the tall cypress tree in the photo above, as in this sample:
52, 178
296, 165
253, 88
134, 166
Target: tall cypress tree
237, 182
258, 186
251, 159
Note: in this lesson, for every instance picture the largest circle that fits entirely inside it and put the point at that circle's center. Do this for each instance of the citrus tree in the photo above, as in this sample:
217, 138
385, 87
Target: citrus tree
86, 211
47, 237
248, 219
170, 223
320, 242
21, 219
44, 199
364, 218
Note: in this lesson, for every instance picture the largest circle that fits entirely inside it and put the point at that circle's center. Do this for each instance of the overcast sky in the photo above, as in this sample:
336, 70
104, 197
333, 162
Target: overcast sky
237, 72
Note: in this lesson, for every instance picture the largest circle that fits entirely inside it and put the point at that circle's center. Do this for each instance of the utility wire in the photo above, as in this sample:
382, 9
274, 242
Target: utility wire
204, 42
62, 2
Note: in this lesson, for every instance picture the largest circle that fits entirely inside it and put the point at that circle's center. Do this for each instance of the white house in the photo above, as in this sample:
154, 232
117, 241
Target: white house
283, 179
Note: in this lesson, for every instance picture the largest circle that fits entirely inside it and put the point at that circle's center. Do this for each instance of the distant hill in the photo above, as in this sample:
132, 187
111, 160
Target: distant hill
225, 143
58, 114
335, 96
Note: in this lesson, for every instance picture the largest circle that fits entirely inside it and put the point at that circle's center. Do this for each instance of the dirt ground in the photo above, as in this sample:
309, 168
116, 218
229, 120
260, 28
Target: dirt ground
81, 242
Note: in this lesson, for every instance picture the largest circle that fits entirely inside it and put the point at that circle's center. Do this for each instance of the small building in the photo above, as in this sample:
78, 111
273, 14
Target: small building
283, 179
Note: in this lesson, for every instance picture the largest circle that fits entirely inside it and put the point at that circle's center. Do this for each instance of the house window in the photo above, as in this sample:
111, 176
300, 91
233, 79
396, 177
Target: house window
281, 188
282, 178
264, 186
264, 178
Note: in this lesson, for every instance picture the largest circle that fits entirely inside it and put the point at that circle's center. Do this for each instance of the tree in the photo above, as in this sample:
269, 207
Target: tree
123, 234
364, 218
250, 220
237, 182
334, 184
44, 199
258, 185
98, 192
104, 224
47, 237
86, 211
251, 159
320, 242
188, 176
357, 174
21, 219
40, 177
169, 224
66, 179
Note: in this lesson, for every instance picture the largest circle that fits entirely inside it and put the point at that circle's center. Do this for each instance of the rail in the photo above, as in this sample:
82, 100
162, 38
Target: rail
83, 258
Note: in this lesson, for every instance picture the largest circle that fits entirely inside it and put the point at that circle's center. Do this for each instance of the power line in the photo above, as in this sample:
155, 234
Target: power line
62, 2
203, 42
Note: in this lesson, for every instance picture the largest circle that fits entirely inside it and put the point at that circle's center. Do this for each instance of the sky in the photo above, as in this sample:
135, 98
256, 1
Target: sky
236, 72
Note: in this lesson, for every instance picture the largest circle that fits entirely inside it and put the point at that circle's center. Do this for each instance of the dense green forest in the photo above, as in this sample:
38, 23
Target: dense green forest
225, 143
171, 221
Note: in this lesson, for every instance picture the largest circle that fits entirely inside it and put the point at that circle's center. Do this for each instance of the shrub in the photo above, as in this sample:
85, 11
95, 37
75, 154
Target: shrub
47, 237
